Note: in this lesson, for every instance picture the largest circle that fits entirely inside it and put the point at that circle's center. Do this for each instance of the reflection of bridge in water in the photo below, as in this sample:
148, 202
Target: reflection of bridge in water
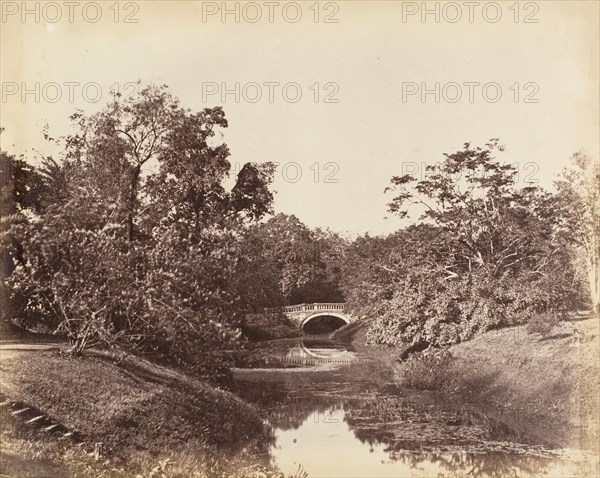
306, 316
317, 353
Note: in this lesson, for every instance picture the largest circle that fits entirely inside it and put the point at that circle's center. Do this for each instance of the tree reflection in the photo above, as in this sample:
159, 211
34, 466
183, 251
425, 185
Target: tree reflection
415, 431
462, 442
483, 464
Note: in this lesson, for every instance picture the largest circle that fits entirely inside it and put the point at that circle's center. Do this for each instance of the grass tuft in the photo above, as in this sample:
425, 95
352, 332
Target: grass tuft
428, 370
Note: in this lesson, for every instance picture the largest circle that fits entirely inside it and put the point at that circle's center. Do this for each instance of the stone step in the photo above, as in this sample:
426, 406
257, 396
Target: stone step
41, 421
35, 419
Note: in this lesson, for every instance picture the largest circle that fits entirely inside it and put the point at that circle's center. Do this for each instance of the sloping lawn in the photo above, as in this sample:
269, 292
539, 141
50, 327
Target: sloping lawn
543, 379
141, 412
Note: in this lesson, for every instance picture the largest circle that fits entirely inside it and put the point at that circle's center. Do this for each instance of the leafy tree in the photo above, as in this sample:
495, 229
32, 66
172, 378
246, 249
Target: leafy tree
20, 187
374, 266
74, 272
20, 196
143, 259
579, 190
117, 142
331, 250
473, 196
306, 263
485, 254
257, 278
251, 194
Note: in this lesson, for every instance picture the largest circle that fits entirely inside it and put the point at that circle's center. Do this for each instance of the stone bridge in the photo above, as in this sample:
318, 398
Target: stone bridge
307, 316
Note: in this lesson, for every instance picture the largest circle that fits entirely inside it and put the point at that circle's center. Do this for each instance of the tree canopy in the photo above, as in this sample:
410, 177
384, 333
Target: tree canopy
131, 239
136, 239
484, 254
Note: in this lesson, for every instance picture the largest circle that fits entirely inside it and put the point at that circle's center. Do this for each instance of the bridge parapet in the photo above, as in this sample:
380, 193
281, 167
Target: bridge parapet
315, 307
302, 313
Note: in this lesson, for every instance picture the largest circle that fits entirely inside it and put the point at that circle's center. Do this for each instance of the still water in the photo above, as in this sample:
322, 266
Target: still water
335, 413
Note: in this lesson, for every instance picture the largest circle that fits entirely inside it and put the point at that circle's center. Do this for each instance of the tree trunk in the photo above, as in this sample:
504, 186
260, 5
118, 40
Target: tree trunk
594, 281
135, 177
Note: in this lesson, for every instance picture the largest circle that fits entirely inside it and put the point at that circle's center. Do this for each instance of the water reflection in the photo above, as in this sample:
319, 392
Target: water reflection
347, 423
308, 351
312, 352
326, 446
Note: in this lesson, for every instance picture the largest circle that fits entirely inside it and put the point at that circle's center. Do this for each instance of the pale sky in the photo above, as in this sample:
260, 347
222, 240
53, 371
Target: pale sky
366, 61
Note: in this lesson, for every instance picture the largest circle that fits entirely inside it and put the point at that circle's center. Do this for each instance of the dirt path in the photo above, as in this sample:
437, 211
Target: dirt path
12, 348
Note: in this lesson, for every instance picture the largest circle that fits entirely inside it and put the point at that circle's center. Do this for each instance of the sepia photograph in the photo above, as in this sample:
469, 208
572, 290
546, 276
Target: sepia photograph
300, 239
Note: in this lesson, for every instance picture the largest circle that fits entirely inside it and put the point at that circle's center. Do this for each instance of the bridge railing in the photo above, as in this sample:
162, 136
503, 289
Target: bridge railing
315, 307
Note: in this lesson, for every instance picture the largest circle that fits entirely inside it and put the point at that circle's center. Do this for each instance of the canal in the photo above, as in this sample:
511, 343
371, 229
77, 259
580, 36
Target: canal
337, 413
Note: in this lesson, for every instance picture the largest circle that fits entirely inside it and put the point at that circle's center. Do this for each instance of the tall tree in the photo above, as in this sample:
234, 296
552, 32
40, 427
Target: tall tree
474, 197
579, 189
143, 258
484, 254
117, 142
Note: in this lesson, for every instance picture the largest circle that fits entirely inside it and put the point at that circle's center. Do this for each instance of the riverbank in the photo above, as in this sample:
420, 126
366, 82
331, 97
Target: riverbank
119, 419
550, 384
136, 417
547, 386
356, 420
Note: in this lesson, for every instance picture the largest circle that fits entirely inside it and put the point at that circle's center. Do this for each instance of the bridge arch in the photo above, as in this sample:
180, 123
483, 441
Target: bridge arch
303, 314
324, 314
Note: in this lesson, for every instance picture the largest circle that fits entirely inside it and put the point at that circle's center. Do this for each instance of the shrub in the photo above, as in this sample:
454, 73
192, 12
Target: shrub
425, 308
542, 324
428, 370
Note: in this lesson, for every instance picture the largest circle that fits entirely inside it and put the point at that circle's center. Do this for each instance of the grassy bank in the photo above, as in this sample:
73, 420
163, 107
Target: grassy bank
146, 417
546, 386
551, 384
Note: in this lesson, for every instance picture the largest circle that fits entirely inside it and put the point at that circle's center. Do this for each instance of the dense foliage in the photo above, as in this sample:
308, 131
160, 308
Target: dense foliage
131, 239
288, 263
484, 254
20, 190
135, 241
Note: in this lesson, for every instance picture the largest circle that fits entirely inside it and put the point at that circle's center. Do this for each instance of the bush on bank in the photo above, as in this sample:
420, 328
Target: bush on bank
428, 370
